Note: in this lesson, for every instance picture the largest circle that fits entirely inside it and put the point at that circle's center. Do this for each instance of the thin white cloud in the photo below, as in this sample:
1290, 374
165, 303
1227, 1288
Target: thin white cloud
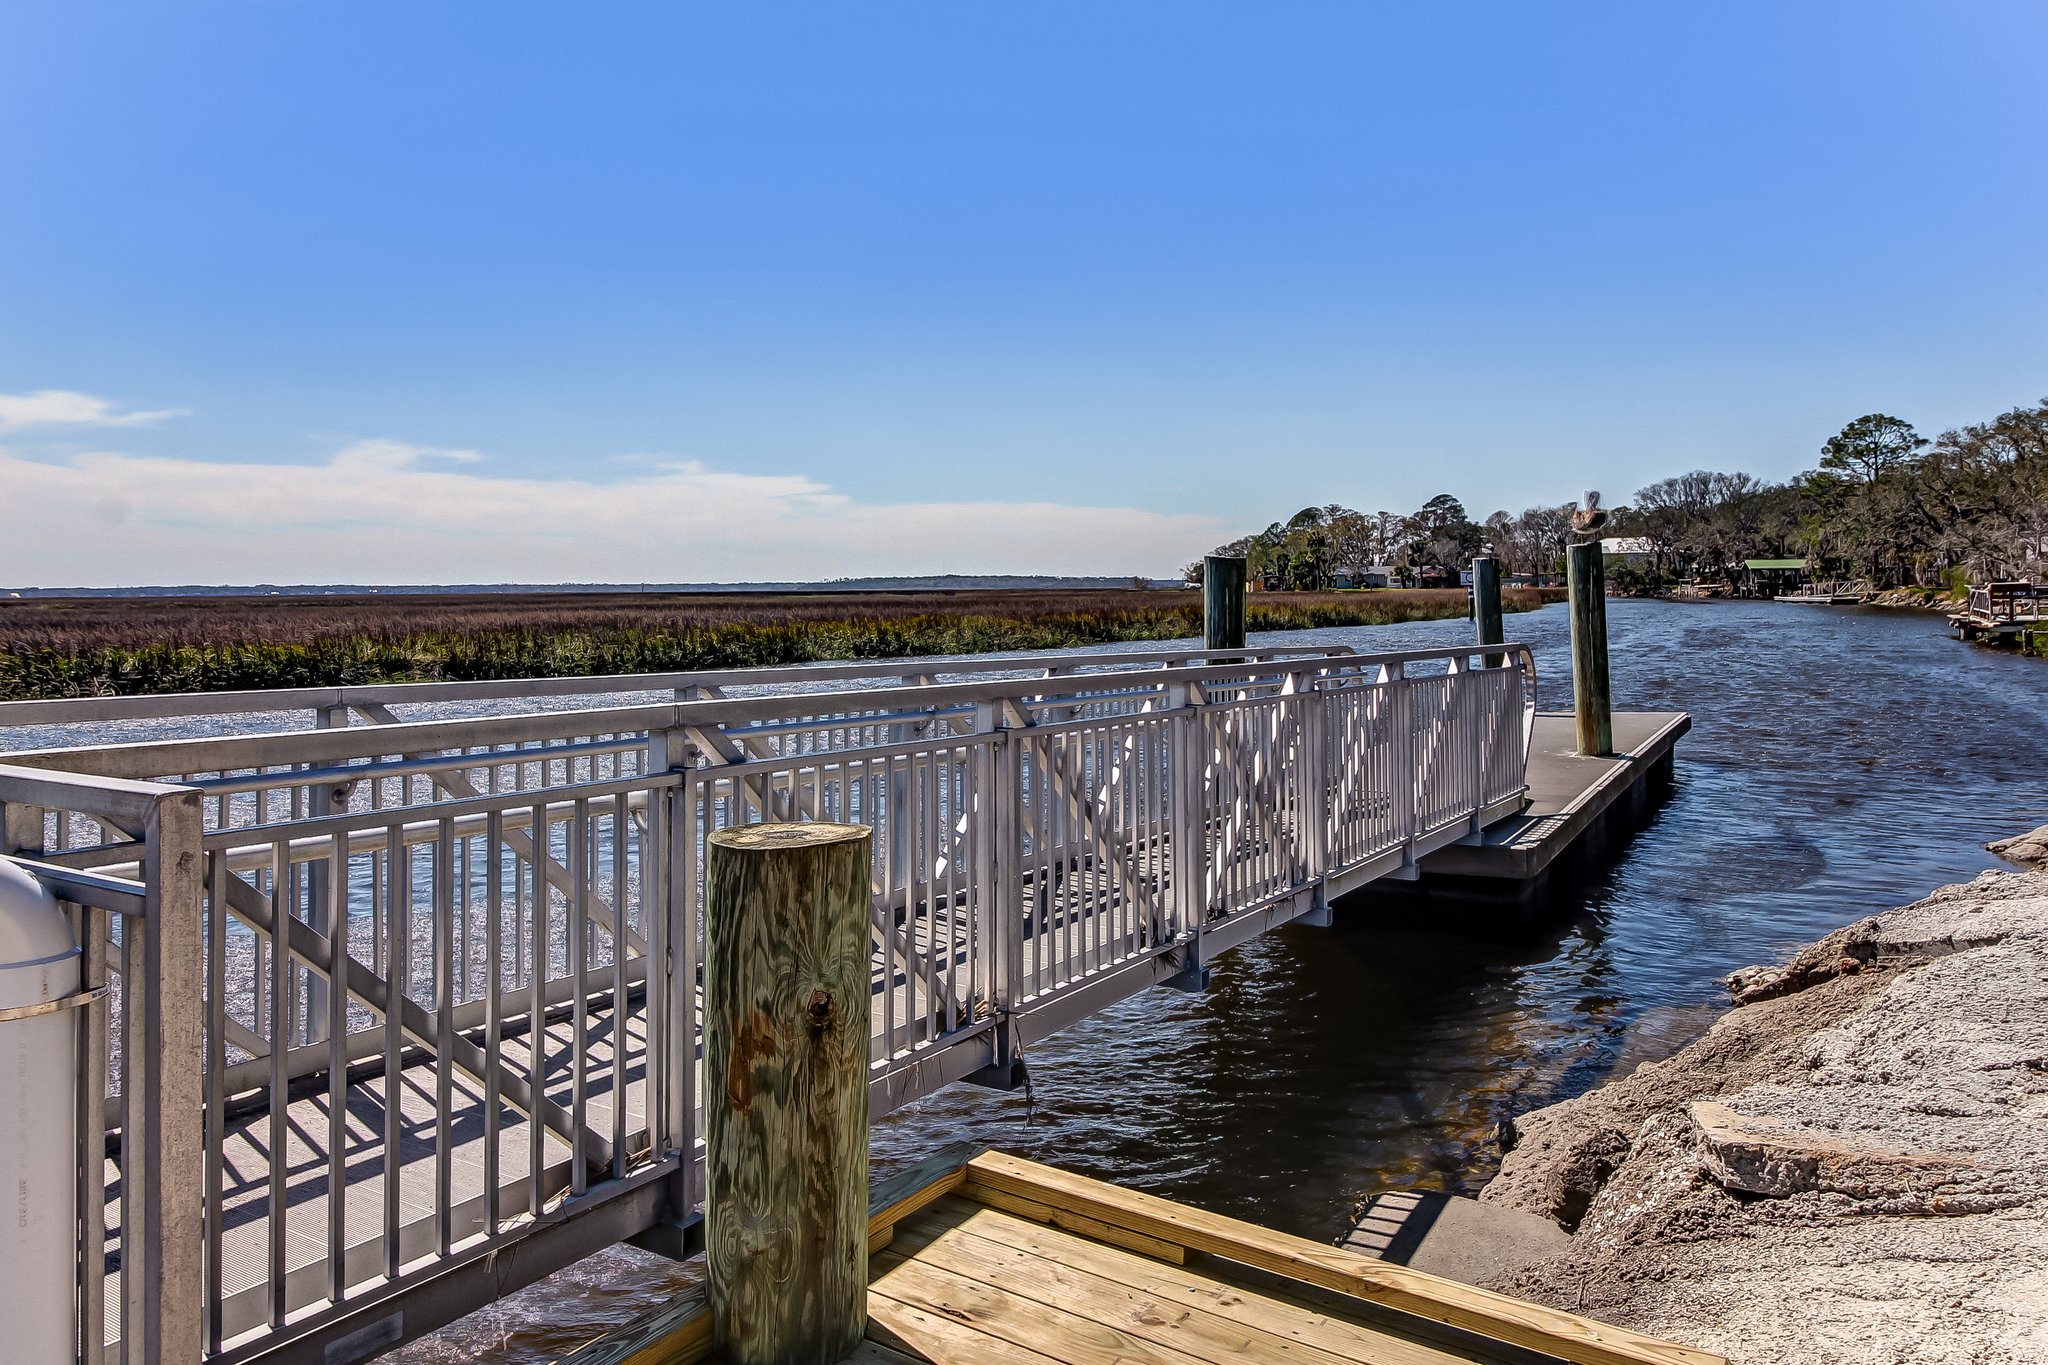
385, 511
68, 408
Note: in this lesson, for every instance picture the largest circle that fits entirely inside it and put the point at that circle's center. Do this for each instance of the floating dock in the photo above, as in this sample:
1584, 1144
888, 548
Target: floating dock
1577, 804
994, 1258
1852, 592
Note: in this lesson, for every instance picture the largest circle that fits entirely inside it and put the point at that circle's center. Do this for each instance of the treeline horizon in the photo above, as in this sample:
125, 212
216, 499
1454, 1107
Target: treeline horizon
1883, 502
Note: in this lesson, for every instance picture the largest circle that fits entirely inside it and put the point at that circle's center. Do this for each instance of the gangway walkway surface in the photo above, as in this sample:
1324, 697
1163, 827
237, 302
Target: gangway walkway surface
286, 920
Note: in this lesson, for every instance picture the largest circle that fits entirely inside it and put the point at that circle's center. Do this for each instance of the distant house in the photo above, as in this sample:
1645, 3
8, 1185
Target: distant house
1365, 576
1629, 549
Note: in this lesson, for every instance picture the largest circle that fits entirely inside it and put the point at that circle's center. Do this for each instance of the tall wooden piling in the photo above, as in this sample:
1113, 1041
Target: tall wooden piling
786, 961
1223, 602
1587, 575
1486, 604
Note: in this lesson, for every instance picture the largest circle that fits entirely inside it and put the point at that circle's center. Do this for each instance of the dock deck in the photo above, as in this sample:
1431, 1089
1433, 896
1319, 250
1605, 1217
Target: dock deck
1001, 1259
1571, 796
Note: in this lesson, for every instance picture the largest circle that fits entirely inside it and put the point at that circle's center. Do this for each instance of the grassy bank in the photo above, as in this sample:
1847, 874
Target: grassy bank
75, 647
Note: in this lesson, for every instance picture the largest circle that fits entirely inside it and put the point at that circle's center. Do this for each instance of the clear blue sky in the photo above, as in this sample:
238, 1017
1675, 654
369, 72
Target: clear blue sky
420, 292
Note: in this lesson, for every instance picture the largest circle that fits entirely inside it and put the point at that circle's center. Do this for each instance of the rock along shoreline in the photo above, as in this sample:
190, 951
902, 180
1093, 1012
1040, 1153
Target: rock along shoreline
1852, 1164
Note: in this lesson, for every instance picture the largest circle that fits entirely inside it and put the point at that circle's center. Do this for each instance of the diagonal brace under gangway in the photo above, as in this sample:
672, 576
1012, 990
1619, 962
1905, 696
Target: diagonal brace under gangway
453, 784
313, 948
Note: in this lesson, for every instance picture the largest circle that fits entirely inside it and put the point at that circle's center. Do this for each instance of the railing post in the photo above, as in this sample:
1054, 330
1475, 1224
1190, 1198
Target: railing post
1183, 848
1402, 696
669, 904
1190, 900
999, 913
1223, 613
1319, 773
1470, 682
163, 1000
1486, 604
786, 1023
1590, 700
320, 800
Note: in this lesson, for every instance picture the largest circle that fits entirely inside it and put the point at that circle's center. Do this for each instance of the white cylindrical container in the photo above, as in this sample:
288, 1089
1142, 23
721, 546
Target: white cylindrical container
38, 1116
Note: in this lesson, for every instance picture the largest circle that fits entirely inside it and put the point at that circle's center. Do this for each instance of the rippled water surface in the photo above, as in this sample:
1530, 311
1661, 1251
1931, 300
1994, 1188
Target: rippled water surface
1841, 762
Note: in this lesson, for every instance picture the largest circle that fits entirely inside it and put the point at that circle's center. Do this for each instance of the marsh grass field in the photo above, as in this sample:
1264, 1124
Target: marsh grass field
107, 646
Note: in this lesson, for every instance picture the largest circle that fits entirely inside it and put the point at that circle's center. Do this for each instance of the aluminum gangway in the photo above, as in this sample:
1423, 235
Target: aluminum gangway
403, 1015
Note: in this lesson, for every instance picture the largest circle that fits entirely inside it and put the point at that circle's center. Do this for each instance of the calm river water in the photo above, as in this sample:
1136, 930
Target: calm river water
1840, 762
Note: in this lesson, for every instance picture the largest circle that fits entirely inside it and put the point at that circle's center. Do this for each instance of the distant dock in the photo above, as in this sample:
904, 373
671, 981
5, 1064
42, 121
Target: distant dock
2004, 614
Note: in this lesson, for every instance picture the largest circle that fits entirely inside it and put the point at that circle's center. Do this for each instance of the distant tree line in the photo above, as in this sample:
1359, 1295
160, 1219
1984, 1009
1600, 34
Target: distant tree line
1313, 549
1883, 503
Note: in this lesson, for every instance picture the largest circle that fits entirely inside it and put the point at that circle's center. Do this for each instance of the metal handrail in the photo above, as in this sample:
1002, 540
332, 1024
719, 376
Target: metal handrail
1042, 847
182, 705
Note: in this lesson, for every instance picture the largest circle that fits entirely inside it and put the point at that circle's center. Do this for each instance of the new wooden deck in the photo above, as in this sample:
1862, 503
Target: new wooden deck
1001, 1259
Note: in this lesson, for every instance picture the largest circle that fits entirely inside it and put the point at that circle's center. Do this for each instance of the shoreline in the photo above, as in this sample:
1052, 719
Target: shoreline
1850, 1166
1917, 599
1904, 599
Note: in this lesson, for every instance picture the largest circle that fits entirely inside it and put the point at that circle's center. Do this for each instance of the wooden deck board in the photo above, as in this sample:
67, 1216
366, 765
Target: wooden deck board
955, 1280
943, 1340
1327, 1267
1082, 1335
1167, 1304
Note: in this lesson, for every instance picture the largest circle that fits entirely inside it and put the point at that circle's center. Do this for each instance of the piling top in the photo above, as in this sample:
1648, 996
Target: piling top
799, 834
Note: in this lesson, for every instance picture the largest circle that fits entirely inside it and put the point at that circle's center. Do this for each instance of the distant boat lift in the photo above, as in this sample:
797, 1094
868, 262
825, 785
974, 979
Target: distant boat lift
1847, 592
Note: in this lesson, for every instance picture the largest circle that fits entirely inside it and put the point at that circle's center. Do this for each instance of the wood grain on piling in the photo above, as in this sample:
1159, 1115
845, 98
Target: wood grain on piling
785, 1042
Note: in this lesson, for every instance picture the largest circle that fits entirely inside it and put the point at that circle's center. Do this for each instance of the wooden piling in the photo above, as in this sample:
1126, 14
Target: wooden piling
1223, 578
786, 986
1486, 604
1591, 702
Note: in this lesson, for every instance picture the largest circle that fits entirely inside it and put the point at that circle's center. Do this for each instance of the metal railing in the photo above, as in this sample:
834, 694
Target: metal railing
1995, 603
137, 1042
436, 982
381, 702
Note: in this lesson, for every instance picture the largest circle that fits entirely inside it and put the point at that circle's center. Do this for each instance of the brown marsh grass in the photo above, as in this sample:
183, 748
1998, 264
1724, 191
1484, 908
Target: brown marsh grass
60, 647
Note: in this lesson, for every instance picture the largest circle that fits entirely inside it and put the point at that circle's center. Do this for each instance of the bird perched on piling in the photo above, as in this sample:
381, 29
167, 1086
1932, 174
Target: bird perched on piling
1589, 518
